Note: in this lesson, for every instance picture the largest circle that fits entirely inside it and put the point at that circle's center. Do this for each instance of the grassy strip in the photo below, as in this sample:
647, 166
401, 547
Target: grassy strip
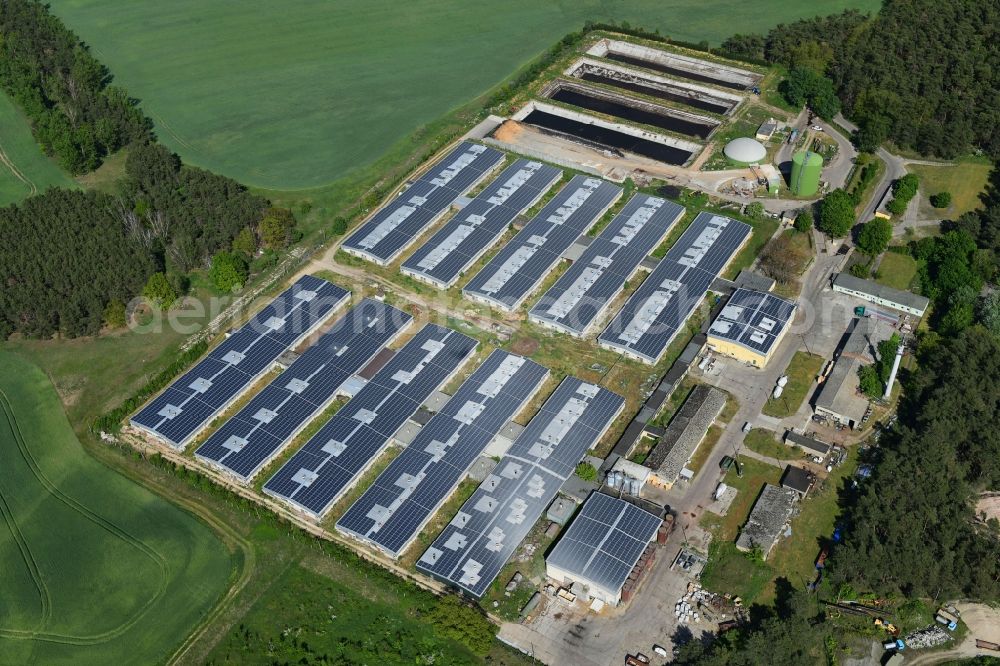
763, 230
802, 371
704, 449
112, 421
763, 442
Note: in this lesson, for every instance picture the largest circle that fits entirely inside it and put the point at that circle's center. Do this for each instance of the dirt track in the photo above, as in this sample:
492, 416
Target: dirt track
983, 622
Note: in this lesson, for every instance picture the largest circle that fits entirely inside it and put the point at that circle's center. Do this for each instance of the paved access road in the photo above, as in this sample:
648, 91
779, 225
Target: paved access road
753, 393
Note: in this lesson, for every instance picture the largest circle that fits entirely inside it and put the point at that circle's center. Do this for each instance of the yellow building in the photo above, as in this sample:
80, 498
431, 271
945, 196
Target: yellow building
751, 326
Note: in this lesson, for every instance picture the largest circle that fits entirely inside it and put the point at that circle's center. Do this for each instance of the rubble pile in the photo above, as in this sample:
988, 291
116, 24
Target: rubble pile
927, 638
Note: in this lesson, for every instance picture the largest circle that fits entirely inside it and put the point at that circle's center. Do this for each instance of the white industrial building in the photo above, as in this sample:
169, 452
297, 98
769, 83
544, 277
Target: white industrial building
873, 292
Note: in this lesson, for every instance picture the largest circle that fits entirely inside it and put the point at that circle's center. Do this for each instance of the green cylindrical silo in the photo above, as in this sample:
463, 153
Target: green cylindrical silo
806, 169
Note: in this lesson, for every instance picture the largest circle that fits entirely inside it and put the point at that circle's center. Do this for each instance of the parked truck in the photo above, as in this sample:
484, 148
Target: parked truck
898, 645
947, 619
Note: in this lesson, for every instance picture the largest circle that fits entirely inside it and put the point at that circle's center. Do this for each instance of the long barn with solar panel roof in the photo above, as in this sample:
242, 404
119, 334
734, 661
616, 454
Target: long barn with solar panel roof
578, 298
391, 513
190, 403
750, 326
479, 540
395, 226
602, 546
474, 230
335, 457
524, 262
261, 429
663, 302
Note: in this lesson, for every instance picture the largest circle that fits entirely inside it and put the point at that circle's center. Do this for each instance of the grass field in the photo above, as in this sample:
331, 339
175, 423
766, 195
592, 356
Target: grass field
965, 179
288, 96
24, 170
802, 370
794, 557
896, 270
764, 442
729, 570
96, 569
306, 615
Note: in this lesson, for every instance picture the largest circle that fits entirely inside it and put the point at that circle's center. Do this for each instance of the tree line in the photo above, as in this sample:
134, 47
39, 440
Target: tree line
67, 257
76, 115
912, 530
70, 260
922, 74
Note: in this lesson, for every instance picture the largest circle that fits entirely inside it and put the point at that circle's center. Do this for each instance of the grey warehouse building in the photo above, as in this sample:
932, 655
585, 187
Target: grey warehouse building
663, 302
579, 297
601, 546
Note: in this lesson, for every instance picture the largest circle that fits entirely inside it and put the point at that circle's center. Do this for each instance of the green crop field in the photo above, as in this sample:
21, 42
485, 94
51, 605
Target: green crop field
24, 170
296, 95
96, 569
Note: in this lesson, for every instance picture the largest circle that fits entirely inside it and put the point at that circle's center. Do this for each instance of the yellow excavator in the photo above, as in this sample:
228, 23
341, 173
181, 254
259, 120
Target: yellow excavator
888, 626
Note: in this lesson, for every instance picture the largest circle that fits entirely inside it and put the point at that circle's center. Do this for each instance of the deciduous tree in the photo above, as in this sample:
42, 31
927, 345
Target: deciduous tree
277, 228
869, 382
804, 221
159, 291
229, 271
874, 236
836, 214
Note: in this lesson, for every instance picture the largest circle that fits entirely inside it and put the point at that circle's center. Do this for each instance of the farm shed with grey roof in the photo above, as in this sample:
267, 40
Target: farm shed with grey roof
767, 520
685, 432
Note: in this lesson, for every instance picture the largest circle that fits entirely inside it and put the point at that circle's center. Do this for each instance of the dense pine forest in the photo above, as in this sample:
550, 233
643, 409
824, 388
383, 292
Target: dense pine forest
924, 75
70, 260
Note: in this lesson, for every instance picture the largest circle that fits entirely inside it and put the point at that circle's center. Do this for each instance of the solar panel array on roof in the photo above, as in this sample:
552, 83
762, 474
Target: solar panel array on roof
664, 301
258, 432
753, 319
465, 237
391, 513
189, 403
479, 540
580, 295
604, 542
518, 268
396, 225
330, 462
